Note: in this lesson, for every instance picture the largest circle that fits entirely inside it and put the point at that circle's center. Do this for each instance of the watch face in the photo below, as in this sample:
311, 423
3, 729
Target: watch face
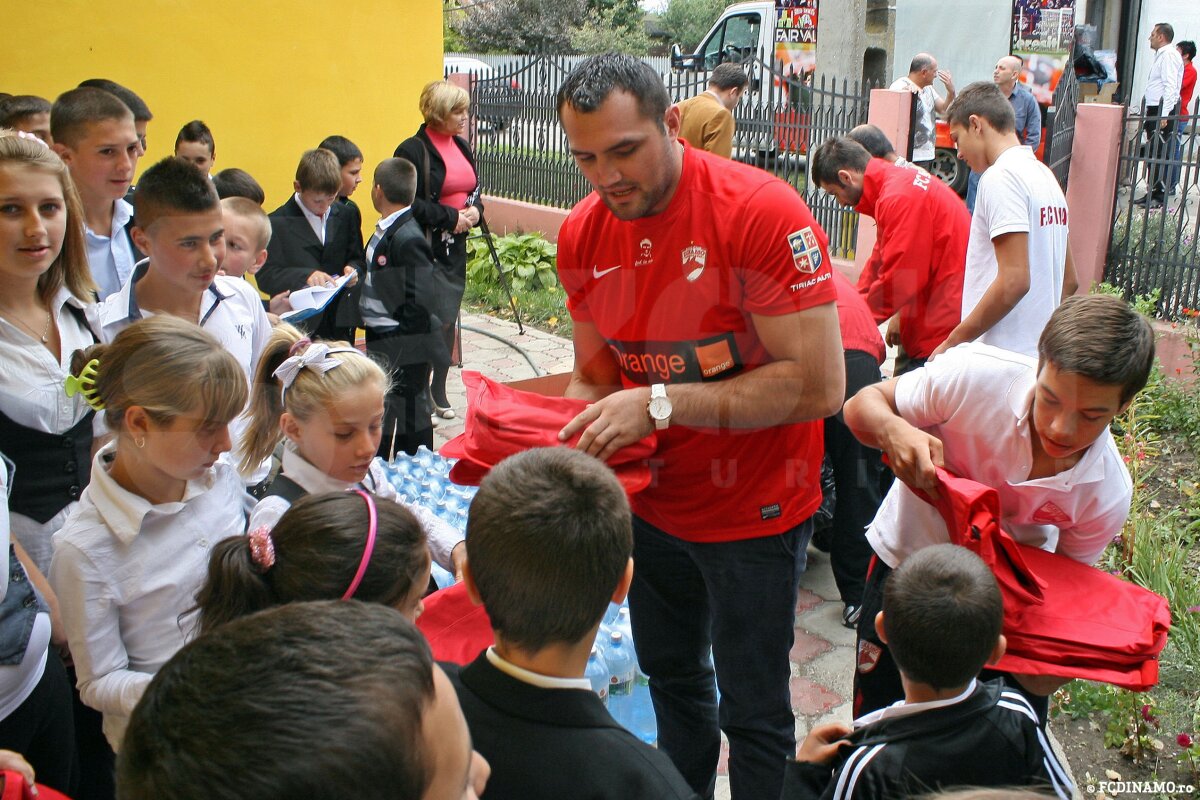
660, 408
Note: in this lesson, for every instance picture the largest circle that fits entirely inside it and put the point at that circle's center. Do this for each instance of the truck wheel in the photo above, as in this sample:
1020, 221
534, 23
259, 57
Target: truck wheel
951, 170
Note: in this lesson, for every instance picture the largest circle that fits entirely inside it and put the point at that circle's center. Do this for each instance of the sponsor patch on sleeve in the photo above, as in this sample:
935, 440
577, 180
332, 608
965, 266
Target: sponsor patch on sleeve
806, 250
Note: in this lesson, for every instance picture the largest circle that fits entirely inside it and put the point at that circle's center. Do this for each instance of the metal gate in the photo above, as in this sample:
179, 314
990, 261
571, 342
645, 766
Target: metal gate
522, 152
1155, 247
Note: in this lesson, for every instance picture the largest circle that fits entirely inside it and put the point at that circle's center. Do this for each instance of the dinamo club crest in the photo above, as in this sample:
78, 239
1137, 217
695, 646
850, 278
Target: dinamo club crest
806, 251
694, 258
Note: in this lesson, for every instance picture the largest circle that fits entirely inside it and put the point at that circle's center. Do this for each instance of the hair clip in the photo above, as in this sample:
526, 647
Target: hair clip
299, 345
262, 547
368, 548
85, 385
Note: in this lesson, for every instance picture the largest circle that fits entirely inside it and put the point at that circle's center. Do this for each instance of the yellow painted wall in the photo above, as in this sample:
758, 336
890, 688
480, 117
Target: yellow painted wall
271, 78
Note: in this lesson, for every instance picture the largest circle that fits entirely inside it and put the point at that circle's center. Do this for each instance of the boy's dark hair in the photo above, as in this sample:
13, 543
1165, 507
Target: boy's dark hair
141, 111
319, 171
397, 178
873, 140
550, 534
318, 546
16, 108
595, 78
197, 131
985, 100
942, 614
1165, 30
838, 153
1188, 48
728, 76
1101, 338
234, 182
76, 109
315, 700
345, 150
172, 186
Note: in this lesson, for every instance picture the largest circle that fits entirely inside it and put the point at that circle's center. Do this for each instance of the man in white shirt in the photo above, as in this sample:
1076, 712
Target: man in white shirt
919, 81
1162, 96
1018, 265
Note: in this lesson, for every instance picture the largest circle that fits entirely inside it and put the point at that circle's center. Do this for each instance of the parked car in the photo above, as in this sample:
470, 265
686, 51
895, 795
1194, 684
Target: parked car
496, 99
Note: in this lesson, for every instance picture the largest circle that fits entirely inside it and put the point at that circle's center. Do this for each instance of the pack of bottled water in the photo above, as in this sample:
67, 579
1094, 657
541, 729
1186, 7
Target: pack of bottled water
424, 479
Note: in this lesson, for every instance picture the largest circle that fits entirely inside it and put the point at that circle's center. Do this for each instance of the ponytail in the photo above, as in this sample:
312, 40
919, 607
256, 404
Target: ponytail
316, 549
263, 434
235, 586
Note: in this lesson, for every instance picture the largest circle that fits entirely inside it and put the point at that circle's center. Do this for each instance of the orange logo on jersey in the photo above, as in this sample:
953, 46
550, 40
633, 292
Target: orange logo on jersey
714, 358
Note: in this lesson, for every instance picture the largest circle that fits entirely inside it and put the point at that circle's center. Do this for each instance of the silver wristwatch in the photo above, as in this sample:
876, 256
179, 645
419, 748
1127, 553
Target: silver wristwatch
659, 407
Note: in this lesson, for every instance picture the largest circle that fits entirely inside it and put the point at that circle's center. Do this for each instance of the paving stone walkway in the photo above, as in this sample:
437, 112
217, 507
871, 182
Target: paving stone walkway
822, 657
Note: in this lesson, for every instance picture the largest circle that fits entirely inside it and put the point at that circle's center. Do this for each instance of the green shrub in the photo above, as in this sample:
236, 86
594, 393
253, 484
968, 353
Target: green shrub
529, 262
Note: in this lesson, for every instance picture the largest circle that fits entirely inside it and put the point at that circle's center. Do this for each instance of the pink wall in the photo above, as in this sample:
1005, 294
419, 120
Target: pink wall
1092, 187
890, 112
504, 216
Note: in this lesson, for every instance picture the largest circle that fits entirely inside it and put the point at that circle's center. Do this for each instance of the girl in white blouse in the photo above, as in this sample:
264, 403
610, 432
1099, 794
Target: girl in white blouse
129, 560
327, 399
47, 311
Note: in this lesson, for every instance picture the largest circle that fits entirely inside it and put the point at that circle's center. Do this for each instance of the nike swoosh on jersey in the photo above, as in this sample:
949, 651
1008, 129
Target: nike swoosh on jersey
600, 273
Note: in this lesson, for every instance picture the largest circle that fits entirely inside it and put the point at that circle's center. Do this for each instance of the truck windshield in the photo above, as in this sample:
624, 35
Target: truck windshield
735, 40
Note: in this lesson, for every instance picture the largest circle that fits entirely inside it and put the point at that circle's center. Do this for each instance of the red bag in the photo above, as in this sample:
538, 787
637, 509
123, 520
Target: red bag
457, 630
14, 787
1061, 617
502, 421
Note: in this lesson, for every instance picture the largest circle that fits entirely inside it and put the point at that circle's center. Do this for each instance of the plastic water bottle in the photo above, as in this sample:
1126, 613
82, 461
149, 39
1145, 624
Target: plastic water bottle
622, 674
642, 721
597, 673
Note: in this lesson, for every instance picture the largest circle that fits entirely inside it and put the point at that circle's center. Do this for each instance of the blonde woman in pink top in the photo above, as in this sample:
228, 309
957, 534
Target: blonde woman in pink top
447, 206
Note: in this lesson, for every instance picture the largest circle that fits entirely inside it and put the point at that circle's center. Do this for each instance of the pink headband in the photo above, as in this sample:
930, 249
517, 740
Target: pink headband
368, 549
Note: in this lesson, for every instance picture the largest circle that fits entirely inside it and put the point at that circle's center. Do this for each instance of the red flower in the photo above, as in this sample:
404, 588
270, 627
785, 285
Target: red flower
1184, 740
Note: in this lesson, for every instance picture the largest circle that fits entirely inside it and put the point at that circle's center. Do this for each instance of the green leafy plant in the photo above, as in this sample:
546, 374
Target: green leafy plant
529, 262
1130, 717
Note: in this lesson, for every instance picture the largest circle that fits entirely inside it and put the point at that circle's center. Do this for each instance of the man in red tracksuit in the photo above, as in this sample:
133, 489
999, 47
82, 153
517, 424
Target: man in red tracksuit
916, 268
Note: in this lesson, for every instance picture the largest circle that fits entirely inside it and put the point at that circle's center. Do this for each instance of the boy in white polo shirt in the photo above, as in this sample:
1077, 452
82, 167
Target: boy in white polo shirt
178, 223
1036, 431
1018, 265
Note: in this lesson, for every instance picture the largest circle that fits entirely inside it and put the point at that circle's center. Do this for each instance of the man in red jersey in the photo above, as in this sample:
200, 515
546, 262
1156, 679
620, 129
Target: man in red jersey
917, 265
702, 299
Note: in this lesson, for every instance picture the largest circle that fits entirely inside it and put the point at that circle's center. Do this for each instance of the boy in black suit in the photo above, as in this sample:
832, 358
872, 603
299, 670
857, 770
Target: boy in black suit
313, 240
551, 539
396, 308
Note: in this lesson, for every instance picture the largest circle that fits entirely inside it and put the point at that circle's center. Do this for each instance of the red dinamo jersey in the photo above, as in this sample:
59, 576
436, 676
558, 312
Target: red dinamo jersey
673, 295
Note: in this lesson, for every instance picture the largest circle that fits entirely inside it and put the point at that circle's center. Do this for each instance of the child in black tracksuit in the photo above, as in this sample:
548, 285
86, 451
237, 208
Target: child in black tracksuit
950, 730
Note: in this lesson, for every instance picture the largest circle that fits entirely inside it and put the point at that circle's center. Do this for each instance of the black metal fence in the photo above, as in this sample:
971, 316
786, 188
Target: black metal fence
1060, 125
523, 154
1155, 244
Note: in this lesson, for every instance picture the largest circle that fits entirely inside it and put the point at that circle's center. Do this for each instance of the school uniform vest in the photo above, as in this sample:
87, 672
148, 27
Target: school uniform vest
52, 469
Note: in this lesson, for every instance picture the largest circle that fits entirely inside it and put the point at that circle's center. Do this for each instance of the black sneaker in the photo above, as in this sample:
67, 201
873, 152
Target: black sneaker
850, 615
